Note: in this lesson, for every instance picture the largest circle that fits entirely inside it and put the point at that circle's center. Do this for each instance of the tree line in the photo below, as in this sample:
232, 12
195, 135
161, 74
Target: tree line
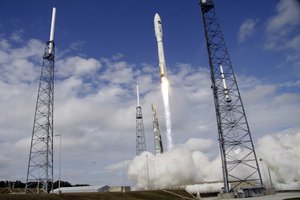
20, 184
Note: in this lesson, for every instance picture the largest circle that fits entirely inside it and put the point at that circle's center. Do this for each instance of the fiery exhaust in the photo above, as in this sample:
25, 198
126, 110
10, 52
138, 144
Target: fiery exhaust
165, 93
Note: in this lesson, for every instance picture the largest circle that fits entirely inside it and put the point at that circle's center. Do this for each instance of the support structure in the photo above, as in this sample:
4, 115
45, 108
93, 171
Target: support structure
239, 161
140, 133
158, 146
40, 164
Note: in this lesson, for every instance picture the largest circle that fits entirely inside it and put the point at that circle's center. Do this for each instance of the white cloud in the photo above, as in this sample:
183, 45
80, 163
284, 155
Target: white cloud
20, 64
77, 66
74, 47
267, 108
4, 44
291, 84
119, 72
196, 144
118, 166
259, 92
17, 36
246, 29
294, 43
4, 162
287, 16
282, 31
117, 56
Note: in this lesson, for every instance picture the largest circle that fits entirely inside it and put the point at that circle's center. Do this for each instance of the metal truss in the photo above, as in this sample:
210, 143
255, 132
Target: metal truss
140, 134
40, 165
239, 161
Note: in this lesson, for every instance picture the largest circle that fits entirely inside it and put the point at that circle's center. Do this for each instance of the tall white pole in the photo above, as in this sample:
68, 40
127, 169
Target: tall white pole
59, 175
137, 95
52, 24
52, 30
59, 179
147, 172
123, 189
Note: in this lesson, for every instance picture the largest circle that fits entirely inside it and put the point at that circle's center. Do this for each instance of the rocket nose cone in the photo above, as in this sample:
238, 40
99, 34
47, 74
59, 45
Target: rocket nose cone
157, 17
157, 26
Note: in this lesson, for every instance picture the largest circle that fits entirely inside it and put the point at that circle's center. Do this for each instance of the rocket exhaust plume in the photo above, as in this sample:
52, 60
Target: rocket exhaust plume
164, 78
165, 93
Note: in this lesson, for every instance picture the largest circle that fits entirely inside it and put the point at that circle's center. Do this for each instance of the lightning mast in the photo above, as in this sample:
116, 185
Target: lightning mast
239, 162
158, 146
40, 165
140, 134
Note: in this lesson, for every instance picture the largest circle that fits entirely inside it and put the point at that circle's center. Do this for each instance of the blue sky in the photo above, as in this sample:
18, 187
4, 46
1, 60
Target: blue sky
104, 47
104, 28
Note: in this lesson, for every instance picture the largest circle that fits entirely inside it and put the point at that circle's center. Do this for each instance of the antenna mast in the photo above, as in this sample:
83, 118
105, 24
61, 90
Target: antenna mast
40, 164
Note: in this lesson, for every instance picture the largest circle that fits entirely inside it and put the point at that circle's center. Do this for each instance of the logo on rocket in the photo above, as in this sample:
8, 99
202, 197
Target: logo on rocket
159, 35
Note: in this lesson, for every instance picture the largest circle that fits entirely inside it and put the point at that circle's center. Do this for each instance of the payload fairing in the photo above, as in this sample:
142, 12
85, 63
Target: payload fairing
159, 36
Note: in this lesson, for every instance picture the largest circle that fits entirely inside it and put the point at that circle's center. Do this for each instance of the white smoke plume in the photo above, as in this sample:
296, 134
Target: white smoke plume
281, 154
184, 164
188, 164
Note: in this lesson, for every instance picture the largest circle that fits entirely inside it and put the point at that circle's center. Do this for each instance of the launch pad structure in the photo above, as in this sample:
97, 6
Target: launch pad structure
140, 132
239, 162
158, 145
40, 164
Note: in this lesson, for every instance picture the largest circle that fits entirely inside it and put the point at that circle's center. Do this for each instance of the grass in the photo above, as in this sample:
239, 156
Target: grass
140, 195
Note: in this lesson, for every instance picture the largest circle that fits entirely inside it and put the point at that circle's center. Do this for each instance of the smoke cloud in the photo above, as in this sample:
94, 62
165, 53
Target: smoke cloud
188, 164
184, 164
280, 153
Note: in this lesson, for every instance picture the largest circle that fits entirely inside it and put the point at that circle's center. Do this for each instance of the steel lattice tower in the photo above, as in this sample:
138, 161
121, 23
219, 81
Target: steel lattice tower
239, 161
140, 133
40, 165
158, 146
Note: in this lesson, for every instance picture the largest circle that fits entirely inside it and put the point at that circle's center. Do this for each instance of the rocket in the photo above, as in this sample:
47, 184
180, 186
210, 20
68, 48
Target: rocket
159, 35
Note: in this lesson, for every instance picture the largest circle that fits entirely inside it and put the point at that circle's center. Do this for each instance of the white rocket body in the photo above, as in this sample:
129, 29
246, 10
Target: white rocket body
52, 30
159, 35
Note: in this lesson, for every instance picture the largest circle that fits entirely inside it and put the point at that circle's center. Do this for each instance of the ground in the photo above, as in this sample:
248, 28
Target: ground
141, 195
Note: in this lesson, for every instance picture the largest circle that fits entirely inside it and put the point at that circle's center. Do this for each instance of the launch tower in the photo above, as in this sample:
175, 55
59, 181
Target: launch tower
239, 162
40, 165
158, 146
140, 134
